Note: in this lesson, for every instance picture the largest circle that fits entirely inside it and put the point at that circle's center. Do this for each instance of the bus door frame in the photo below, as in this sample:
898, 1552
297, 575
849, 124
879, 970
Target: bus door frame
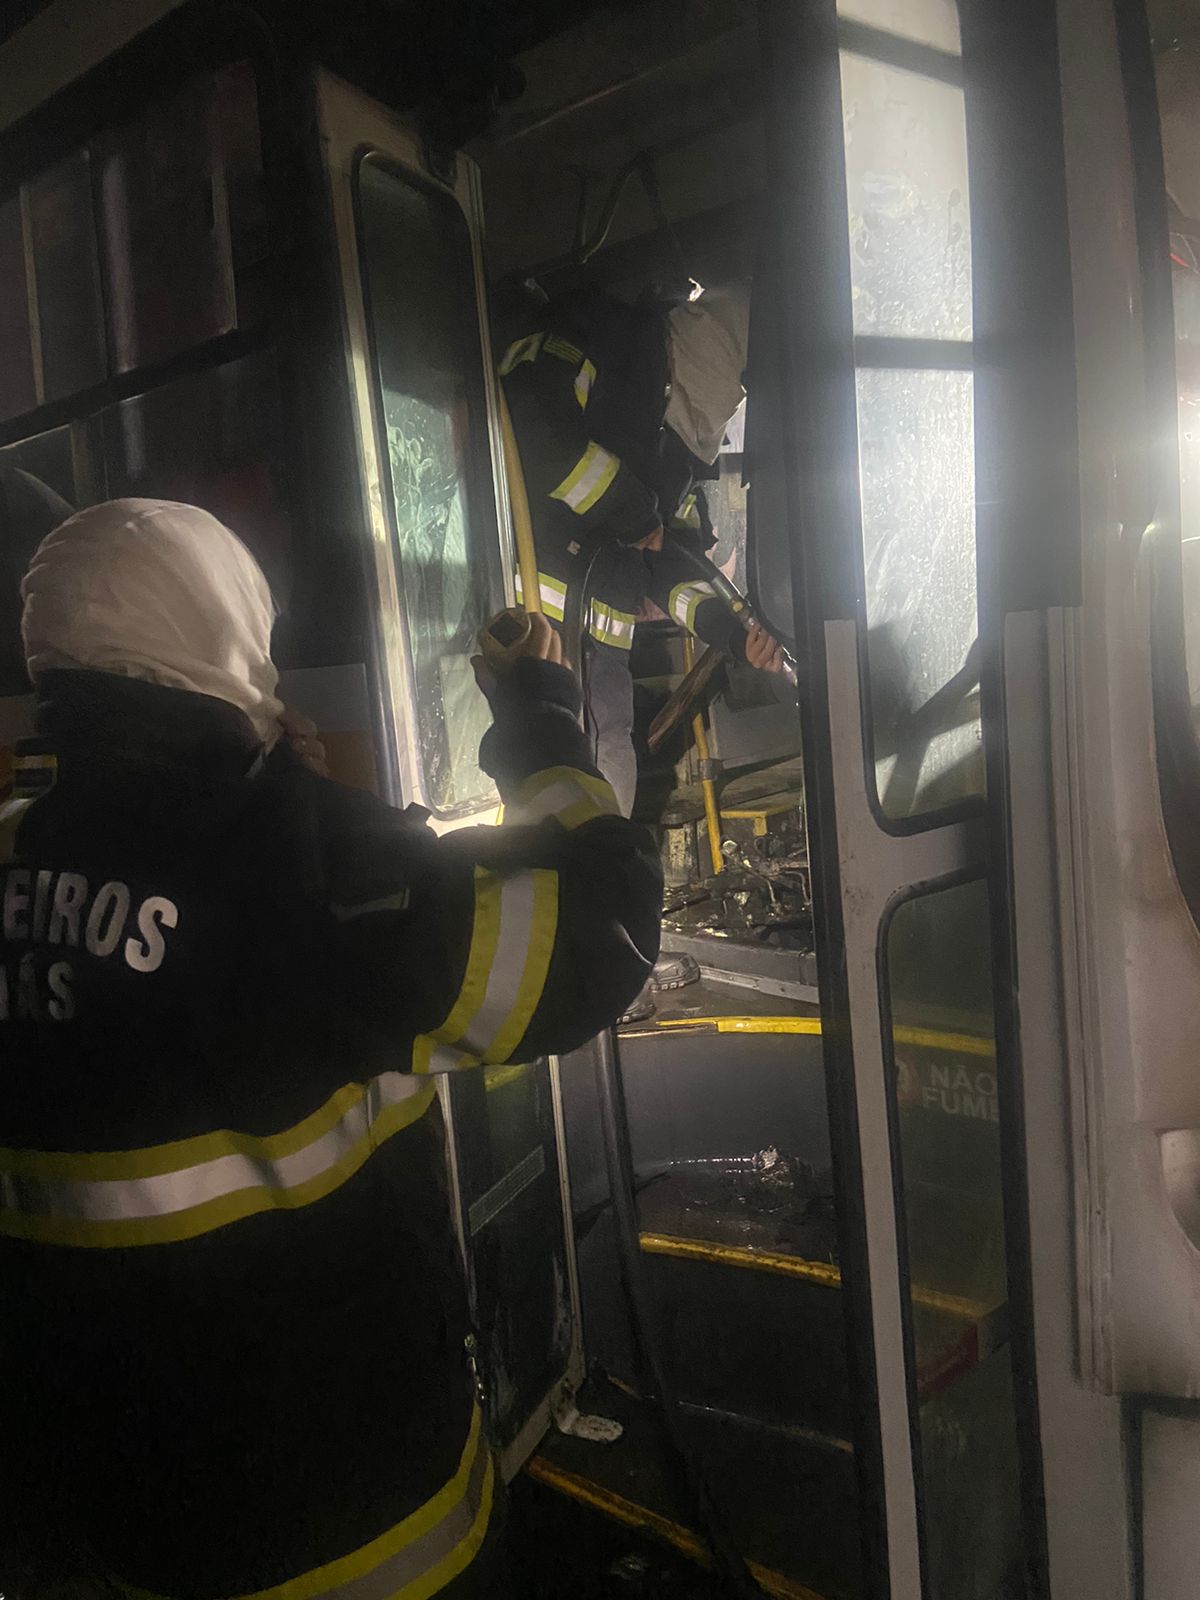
863, 863
353, 125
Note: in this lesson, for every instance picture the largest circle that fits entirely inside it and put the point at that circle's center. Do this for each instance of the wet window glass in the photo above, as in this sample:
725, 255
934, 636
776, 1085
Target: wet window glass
947, 1109
906, 182
916, 469
432, 411
910, 264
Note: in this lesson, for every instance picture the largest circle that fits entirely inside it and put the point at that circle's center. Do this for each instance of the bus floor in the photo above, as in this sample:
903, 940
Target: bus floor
729, 1140
559, 1547
592, 1520
742, 1296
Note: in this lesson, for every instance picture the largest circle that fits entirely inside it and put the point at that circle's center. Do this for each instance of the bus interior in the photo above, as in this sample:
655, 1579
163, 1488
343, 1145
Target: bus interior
266, 261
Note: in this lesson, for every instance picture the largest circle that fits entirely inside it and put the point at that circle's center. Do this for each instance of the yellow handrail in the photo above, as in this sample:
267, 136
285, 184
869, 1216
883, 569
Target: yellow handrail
712, 815
518, 499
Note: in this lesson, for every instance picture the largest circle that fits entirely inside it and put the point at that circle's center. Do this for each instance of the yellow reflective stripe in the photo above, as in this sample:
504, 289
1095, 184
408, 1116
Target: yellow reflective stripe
320, 1580
588, 479
172, 1227
160, 1159
485, 935
584, 379
469, 1485
523, 350
604, 621
610, 626
500, 1077
564, 350
537, 965
553, 593
460, 1558
564, 793
516, 922
688, 514
599, 485
685, 599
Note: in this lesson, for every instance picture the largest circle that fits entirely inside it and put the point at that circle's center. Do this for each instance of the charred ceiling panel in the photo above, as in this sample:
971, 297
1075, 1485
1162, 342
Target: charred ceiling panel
672, 82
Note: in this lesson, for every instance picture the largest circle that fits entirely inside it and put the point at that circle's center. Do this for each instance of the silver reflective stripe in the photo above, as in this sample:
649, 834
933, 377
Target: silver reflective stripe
584, 380
686, 598
588, 479
553, 595
167, 1193
611, 627
522, 350
570, 797
392, 1577
503, 979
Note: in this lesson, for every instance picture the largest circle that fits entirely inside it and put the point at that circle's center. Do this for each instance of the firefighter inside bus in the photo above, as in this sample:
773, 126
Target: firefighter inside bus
236, 1345
620, 412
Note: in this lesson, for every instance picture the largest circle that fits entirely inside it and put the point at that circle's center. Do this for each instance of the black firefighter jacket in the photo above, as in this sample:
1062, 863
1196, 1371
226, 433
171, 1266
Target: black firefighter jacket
233, 1305
588, 393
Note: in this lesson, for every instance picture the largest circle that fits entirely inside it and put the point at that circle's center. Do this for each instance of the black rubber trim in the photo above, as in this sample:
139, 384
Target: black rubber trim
1132, 1447
1027, 536
909, 55
85, 403
809, 242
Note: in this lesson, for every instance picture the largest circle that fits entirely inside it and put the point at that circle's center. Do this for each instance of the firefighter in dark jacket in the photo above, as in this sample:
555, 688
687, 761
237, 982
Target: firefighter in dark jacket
235, 1334
620, 412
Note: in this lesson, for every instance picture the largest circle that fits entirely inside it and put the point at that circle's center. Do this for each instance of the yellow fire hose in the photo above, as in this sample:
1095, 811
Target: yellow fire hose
712, 816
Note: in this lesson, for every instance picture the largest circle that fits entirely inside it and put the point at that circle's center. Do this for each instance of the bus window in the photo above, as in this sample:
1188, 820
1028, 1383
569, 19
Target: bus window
141, 245
906, 180
167, 261
18, 392
431, 408
69, 335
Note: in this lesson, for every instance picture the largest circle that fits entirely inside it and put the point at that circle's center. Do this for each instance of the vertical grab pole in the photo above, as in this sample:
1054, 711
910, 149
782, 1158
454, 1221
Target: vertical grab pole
708, 787
614, 1120
518, 499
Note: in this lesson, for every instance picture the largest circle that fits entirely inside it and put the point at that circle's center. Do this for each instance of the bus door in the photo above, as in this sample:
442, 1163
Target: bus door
870, 283
422, 388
